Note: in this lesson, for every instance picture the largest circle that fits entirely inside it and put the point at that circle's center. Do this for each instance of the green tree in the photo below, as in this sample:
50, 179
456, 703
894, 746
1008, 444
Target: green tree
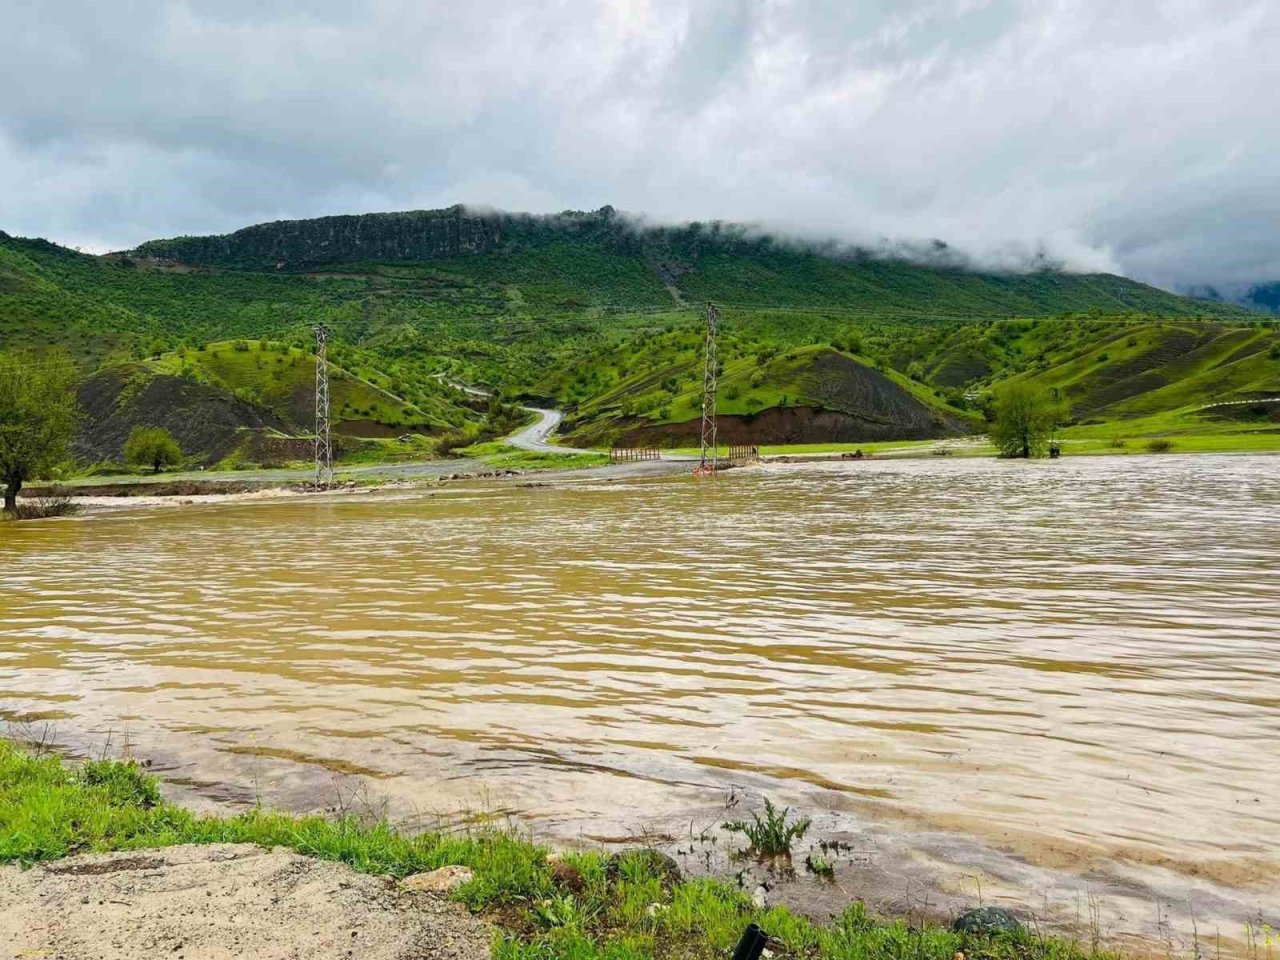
152, 447
1025, 416
38, 414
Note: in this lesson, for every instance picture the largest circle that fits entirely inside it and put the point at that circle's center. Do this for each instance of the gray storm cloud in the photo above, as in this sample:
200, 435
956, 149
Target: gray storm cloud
1138, 137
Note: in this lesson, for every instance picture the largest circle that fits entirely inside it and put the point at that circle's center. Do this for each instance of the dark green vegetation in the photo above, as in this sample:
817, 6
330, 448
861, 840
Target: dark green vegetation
209, 337
152, 447
626, 908
37, 418
1025, 417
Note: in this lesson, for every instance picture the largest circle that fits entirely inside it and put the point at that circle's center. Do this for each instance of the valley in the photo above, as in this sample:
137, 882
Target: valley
600, 317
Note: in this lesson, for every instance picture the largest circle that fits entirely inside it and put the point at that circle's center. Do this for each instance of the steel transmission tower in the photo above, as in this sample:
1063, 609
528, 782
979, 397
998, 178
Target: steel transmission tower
324, 439
710, 375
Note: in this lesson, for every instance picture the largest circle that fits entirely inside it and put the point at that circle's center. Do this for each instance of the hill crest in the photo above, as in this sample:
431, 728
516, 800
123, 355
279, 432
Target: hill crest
724, 262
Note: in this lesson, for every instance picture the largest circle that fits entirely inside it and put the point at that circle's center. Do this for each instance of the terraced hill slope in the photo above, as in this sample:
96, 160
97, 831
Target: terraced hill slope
1172, 371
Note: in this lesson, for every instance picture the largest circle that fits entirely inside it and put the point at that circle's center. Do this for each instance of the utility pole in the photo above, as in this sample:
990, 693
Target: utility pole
324, 439
710, 375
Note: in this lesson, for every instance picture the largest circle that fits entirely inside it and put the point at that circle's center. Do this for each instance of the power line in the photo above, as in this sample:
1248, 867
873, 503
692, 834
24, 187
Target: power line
710, 378
324, 438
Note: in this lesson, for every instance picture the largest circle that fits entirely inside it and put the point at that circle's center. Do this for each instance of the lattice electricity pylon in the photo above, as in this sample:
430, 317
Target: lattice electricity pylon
710, 376
324, 438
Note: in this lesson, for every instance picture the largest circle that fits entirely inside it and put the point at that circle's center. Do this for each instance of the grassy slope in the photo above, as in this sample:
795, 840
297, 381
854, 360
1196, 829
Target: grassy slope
282, 379
1152, 380
785, 278
506, 457
36, 312
48, 810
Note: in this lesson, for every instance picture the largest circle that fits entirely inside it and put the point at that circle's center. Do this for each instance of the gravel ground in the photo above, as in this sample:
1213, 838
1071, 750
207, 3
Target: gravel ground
224, 901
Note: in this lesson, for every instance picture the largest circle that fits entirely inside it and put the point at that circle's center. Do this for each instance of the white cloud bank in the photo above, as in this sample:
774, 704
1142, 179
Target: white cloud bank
1141, 136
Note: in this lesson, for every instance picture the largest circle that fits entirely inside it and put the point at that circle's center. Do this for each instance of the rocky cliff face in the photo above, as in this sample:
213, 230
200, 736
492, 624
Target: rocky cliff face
417, 235
424, 235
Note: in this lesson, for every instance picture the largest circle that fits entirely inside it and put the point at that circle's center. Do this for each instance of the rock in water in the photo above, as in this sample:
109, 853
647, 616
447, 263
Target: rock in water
987, 920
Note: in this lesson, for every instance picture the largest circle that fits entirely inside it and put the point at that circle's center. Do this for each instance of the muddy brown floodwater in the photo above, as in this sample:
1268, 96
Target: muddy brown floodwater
1051, 684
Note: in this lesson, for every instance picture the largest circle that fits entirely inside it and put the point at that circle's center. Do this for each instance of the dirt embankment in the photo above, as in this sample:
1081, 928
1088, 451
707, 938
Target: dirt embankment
221, 902
167, 488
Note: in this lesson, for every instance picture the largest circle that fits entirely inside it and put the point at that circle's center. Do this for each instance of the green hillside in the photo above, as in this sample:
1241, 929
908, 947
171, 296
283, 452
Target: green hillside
576, 260
281, 379
250, 401
603, 318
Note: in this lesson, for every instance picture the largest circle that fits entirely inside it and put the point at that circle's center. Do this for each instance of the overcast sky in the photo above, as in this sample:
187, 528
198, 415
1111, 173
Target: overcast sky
1129, 135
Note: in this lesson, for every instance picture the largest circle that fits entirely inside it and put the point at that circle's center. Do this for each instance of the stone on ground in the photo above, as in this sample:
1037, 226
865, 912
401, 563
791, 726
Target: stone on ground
987, 920
225, 901
442, 881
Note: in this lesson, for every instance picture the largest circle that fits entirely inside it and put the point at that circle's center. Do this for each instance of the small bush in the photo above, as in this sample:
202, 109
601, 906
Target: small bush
770, 835
448, 444
41, 508
820, 866
1159, 445
1118, 443
122, 782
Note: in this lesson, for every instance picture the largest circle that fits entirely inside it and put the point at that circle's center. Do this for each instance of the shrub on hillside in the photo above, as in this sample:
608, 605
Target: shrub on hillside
152, 447
448, 443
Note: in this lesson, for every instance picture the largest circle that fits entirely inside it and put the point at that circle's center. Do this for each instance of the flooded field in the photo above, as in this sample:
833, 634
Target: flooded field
1050, 682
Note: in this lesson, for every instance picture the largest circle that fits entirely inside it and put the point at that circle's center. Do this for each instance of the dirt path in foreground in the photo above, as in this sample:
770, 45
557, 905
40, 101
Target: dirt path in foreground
224, 901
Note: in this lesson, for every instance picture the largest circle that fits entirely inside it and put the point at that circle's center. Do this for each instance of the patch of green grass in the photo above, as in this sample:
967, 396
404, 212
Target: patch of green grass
819, 866
49, 810
1189, 432
504, 456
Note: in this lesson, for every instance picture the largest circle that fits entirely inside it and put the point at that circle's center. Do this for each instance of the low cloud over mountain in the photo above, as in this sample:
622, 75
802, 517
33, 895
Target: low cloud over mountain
1137, 137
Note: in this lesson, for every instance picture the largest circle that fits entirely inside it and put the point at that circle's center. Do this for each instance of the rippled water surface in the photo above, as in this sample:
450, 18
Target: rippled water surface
1071, 660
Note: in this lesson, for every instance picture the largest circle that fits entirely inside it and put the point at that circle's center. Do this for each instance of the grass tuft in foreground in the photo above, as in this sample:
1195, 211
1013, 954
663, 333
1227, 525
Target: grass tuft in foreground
629, 911
770, 835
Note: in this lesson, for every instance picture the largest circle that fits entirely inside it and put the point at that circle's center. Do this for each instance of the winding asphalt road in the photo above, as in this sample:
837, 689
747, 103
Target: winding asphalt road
534, 436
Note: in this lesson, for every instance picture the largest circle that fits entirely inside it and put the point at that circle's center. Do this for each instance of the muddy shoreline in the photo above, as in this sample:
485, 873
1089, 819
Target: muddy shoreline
898, 865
